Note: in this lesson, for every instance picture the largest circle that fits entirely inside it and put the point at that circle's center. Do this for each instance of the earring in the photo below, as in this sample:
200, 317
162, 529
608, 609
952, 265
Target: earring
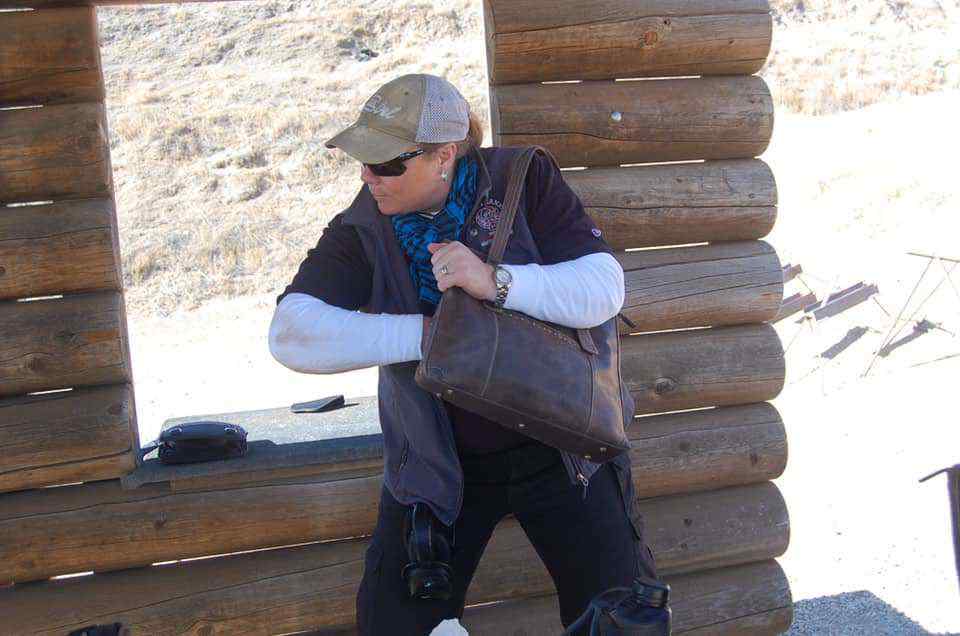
443, 175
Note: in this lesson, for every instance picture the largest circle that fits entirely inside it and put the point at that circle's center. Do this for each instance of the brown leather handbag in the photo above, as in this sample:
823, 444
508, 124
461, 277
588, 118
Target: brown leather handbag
557, 384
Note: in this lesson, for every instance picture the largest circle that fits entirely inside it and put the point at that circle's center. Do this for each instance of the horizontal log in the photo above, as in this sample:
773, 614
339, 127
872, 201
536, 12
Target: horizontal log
719, 528
73, 341
607, 123
729, 283
527, 15
568, 40
314, 586
674, 204
265, 592
59, 248
50, 57
55, 152
750, 599
747, 599
60, 438
703, 367
671, 454
694, 451
99, 526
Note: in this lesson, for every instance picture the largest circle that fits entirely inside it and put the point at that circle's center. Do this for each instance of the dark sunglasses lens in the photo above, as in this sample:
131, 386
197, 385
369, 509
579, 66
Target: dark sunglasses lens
392, 168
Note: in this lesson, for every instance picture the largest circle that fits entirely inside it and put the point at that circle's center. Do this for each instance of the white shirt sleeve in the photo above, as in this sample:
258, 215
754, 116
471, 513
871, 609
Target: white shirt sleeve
309, 335
583, 292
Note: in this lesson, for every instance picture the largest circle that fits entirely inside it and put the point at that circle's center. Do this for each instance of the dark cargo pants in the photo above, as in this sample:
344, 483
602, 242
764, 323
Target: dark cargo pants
587, 545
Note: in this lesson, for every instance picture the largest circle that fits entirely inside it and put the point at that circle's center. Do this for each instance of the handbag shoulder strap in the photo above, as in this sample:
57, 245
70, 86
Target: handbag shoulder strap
518, 174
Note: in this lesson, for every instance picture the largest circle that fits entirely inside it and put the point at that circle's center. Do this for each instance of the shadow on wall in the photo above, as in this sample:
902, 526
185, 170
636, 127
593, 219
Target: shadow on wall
852, 613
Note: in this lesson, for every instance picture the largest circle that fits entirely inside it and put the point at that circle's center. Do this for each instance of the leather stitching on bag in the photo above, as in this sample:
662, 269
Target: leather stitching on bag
519, 316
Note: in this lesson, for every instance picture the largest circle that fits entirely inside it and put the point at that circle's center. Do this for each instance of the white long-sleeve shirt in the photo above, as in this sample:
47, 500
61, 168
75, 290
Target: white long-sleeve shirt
311, 336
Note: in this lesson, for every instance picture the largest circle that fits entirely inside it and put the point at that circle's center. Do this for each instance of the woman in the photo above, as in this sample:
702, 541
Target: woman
422, 223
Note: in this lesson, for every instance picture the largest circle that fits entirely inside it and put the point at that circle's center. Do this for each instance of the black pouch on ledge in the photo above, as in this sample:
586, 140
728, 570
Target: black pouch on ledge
199, 442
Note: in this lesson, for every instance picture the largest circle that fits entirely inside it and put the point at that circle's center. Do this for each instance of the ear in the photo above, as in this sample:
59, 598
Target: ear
450, 153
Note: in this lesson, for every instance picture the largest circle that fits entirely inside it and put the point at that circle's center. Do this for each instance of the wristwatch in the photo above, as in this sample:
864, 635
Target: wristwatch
503, 280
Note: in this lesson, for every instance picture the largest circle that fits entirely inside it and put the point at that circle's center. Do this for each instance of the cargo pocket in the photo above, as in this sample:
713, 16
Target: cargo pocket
369, 588
631, 507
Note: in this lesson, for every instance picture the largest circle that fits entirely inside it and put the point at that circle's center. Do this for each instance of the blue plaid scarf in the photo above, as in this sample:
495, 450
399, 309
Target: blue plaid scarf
415, 231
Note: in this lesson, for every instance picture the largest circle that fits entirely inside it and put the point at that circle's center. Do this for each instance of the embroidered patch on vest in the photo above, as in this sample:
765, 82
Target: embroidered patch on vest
488, 214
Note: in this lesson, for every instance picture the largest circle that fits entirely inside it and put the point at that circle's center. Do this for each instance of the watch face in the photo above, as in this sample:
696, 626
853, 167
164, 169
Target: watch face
503, 276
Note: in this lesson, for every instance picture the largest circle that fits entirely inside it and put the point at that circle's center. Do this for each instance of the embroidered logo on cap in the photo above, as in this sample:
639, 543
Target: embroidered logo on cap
377, 106
596, 232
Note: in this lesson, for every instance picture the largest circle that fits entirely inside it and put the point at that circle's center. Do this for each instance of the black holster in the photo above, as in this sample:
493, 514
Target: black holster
429, 545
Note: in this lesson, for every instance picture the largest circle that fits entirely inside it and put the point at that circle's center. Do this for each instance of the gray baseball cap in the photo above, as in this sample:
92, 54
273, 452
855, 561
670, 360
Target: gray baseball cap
404, 111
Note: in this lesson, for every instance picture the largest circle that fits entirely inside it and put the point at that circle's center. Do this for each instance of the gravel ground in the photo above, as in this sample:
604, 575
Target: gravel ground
853, 613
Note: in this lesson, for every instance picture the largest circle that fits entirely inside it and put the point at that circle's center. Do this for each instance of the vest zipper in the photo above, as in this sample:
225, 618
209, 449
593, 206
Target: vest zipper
583, 480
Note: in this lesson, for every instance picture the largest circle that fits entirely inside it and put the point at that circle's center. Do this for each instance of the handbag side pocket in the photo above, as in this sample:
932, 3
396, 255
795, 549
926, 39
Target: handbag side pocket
623, 472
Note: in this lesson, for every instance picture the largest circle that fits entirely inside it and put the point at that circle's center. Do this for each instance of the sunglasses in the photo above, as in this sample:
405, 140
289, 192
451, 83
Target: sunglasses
395, 167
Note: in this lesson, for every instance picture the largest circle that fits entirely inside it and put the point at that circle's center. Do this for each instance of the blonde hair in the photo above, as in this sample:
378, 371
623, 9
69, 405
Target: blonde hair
474, 139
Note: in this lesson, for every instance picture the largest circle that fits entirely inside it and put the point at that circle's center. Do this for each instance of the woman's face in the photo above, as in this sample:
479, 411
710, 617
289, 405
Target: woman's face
419, 187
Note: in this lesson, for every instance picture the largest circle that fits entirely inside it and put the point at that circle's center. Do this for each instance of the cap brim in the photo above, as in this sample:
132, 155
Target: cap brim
368, 145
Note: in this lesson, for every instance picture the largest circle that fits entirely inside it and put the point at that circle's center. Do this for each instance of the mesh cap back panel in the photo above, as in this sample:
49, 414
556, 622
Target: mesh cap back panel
445, 115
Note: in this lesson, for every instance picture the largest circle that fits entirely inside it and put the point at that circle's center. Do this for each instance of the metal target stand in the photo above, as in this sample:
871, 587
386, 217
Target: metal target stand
838, 301
890, 336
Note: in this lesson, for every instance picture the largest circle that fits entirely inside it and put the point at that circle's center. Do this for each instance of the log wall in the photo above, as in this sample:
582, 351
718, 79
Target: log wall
67, 410
614, 90
100, 526
671, 82
177, 598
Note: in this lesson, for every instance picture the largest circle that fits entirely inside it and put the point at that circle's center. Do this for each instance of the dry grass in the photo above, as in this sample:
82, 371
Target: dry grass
831, 55
218, 113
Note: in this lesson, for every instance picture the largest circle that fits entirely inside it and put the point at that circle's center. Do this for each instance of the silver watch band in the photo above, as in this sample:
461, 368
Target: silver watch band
502, 290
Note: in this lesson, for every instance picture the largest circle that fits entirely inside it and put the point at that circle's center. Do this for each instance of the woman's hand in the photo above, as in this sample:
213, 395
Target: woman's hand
465, 268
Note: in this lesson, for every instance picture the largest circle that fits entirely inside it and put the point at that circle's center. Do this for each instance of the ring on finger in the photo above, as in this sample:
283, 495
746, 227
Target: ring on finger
444, 270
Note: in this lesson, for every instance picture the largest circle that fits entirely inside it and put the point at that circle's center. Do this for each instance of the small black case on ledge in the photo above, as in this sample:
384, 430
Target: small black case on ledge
199, 442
